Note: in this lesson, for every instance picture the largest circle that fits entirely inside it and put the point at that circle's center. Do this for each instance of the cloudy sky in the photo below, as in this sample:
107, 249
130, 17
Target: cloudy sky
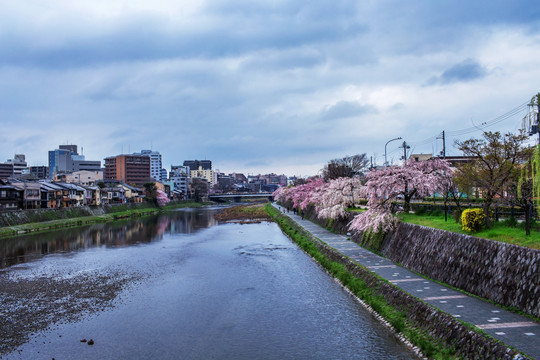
261, 86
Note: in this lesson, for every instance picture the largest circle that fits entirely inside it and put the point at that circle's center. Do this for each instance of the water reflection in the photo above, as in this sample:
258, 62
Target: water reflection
27, 248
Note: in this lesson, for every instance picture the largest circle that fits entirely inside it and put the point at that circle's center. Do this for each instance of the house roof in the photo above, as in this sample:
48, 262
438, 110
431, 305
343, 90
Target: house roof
9, 187
71, 186
51, 186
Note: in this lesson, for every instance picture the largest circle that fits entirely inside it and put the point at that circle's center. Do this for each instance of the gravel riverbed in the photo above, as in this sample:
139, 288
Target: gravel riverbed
30, 304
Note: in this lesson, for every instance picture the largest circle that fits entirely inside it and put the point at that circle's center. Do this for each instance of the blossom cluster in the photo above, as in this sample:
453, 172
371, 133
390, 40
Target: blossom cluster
161, 198
383, 187
330, 199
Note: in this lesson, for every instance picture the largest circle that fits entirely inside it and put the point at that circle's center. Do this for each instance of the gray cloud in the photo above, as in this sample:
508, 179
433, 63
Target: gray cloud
346, 109
467, 70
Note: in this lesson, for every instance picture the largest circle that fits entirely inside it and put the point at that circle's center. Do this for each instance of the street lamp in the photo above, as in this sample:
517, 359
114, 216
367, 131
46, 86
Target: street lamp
386, 161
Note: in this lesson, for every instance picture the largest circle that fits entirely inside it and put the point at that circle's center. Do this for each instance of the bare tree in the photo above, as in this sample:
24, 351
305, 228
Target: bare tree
348, 166
198, 189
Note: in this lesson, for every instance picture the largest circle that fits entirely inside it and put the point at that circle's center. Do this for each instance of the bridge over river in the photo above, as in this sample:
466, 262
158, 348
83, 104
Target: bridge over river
237, 197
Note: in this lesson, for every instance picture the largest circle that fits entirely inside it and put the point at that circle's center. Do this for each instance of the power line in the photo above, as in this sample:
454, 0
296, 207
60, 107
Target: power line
481, 127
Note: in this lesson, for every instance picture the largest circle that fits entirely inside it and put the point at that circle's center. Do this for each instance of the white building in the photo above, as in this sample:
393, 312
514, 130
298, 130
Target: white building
209, 175
155, 164
19, 164
83, 177
179, 176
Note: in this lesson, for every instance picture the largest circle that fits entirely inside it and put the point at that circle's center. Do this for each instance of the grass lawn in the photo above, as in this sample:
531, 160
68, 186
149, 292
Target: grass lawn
243, 212
498, 232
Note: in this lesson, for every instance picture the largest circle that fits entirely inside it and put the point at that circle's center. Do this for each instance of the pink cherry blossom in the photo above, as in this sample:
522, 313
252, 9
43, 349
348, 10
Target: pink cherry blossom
162, 198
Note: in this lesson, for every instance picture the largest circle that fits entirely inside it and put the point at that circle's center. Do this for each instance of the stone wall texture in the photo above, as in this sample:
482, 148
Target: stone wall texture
505, 273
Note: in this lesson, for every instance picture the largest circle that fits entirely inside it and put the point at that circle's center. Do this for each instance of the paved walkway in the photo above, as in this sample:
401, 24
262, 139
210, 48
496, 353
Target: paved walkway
515, 330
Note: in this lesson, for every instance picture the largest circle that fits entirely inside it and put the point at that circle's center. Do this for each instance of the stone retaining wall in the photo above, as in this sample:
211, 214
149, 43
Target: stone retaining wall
505, 273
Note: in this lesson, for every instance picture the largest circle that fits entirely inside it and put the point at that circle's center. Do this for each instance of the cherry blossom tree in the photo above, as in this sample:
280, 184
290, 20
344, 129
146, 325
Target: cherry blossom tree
421, 178
161, 198
385, 186
337, 195
301, 195
280, 195
378, 219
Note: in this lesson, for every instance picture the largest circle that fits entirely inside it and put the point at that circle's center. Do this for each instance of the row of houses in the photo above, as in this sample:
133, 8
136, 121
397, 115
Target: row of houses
22, 194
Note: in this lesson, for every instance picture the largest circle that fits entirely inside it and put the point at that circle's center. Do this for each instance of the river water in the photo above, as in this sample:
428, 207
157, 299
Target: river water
178, 286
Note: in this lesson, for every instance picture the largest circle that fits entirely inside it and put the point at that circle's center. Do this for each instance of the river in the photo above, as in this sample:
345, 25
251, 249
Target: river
178, 286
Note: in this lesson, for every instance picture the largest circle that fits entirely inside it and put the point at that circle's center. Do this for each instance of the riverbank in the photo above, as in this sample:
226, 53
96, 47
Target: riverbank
244, 214
434, 332
84, 216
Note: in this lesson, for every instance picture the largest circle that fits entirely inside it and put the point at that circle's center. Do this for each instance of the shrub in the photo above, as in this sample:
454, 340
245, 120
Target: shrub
420, 210
472, 219
510, 222
436, 212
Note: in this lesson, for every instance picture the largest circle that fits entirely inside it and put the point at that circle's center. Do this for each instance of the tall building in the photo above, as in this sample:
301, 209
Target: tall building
6, 170
19, 164
155, 164
67, 159
40, 172
179, 176
196, 164
129, 169
209, 175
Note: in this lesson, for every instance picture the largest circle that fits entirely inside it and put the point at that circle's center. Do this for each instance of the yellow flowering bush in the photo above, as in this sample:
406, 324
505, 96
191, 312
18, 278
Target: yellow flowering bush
473, 219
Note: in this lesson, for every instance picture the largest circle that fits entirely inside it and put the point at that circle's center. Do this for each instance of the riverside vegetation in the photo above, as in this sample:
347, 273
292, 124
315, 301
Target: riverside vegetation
243, 214
56, 219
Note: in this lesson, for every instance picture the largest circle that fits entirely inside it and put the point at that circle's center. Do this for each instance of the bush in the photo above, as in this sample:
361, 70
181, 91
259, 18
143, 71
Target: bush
473, 219
420, 210
436, 212
510, 222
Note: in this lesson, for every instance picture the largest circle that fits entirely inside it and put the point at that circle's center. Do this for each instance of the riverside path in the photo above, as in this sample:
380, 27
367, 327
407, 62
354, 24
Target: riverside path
514, 330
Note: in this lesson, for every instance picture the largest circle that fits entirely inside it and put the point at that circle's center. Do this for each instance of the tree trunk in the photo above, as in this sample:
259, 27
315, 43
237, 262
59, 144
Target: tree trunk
487, 207
528, 214
445, 209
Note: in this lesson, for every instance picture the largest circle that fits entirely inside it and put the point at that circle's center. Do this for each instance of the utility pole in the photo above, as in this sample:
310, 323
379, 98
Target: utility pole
443, 145
531, 121
405, 147
443, 152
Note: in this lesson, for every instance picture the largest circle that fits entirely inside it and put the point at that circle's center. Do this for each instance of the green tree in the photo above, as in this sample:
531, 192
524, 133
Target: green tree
495, 161
150, 190
526, 189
